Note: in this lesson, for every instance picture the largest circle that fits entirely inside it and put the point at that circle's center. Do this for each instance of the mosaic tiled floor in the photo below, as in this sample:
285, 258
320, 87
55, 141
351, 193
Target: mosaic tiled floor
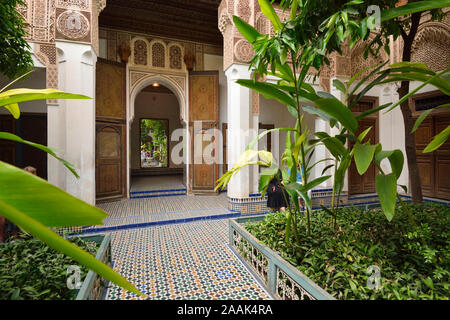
136, 211
156, 183
181, 261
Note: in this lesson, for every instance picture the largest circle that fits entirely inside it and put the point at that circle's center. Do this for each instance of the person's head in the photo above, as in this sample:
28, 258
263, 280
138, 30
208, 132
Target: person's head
30, 169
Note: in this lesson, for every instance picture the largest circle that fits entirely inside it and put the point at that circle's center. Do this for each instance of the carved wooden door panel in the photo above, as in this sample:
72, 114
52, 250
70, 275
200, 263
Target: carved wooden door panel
203, 125
366, 183
442, 160
425, 162
434, 167
110, 161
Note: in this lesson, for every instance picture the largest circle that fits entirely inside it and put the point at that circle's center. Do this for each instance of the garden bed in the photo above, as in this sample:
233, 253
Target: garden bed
30, 270
413, 257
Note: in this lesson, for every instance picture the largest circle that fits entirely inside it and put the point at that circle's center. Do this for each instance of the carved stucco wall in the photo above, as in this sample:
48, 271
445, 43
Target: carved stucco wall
431, 45
50, 20
155, 58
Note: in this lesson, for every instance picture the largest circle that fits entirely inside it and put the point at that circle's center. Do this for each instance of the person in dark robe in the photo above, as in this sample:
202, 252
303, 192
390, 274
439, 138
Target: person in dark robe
276, 200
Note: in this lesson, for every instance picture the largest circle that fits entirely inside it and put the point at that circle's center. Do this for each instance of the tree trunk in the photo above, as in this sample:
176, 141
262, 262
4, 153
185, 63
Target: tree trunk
410, 144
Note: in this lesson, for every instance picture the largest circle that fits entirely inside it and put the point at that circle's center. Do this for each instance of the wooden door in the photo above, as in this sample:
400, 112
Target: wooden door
110, 157
203, 127
366, 183
33, 127
434, 167
7, 148
442, 160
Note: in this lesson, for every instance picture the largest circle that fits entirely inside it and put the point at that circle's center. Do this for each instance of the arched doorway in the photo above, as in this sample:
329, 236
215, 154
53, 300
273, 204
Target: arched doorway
155, 134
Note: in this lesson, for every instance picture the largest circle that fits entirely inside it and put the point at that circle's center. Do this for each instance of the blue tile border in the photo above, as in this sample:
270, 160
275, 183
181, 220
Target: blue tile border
159, 195
232, 214
158, 191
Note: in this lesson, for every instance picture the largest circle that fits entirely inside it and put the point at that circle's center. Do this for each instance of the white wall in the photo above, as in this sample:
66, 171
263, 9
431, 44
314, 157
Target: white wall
273, 112
72, 121
157, 106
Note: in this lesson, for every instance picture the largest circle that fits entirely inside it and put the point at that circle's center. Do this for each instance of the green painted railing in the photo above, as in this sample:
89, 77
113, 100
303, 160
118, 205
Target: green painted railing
280, 278
94, 287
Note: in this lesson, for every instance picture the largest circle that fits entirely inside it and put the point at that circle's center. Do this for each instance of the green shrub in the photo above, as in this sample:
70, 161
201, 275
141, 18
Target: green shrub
30, 270
414, 258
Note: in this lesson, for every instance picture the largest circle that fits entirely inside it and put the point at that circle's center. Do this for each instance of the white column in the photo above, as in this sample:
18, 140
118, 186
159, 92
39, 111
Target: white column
73, 121
392, 129
241, 130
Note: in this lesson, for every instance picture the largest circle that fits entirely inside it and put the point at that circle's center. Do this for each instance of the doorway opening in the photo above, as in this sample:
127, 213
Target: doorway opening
156, 162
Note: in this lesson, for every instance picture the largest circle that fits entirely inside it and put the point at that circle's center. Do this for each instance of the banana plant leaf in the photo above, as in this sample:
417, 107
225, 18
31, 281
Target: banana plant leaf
34, 204
24, 94
13, 137
413, 7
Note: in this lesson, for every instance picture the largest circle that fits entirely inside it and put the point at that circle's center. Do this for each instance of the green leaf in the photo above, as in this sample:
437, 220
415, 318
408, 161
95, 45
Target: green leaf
334, 145
396, 159
43, 201
377, 67
424, 114
428, 282
364, 134
53, 240
339, 111
353, 2
339, 85
420, 119
263, 183
363, 154
442, 85
249, 33
326, 168
12, 137
387, 192
413, 7
314, 183
316, 112
438, 140
268, 90
269, 12
372, 111
294, 8
21, 95
13, 109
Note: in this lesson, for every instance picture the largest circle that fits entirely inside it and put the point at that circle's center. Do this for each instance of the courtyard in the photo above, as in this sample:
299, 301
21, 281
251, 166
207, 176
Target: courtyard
224, 150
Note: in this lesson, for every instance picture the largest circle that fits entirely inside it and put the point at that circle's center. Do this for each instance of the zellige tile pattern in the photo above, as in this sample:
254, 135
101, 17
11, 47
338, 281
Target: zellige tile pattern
181, 261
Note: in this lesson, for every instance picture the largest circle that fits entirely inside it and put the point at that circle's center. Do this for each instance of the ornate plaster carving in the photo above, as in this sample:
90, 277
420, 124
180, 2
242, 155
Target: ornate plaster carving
431, 46
73, 25
74, 4
243, 51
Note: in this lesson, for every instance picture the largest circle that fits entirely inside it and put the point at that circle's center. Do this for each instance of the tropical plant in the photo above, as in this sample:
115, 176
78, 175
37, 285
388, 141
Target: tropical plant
34, 205
351, 22
33, 271
295, 37
414, 259
14, 49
